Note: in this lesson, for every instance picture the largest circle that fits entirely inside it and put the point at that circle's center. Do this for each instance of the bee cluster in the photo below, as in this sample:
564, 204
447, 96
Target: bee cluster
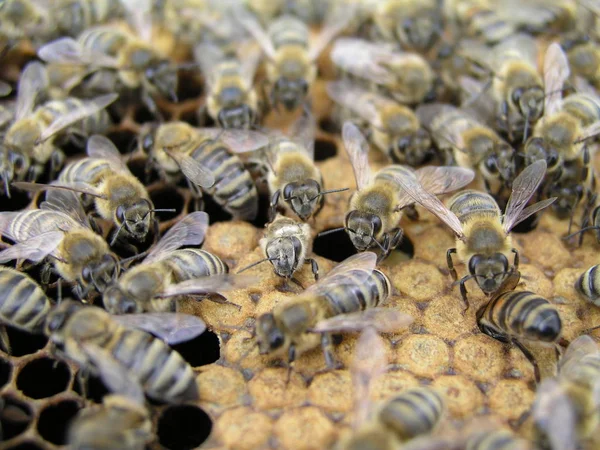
203, 241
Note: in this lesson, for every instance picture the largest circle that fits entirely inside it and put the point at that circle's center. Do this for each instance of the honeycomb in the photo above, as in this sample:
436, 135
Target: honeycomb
245, 400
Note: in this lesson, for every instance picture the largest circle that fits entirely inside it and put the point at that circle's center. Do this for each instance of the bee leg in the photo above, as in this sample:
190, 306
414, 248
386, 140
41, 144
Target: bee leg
530, 357
45, 274
450, 263
504, 110
328, 352
151, 105
385, 248
463, 292
313, 266
4, 341
83, 377
218, 298
57, 159
411, 212
291, 359
273, 205
516, 260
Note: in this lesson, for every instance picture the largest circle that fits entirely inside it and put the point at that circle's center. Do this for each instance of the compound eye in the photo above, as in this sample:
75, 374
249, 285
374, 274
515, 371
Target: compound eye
86, 274
491, 164
276, 340
516, 95
288, 191
376, 224
121, 214
473, 263
552, 159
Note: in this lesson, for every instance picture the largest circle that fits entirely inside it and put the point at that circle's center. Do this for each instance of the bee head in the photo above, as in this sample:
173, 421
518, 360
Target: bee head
291, 92
529, 101
13, 166
304, 197
537, 148
489, 271
567, 198
135, 218
269, 336
419, 32
363, 229
238, 117
162, 76
101, 273
118, 302
283, 255
415, 148
58, 317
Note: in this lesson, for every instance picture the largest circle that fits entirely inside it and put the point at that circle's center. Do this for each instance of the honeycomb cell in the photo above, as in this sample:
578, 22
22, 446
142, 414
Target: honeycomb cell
328, 391
549, 249
511, 398
418, 279
424, 355
335, 246
27, 445
269, 389
56, 376
392, 383
243, 429
306, 428
325, 149
480, 357
90, 386
183, 427
23, 343
124, 139
167, 198
221, 385
445, 317
54, 420
462, 396
5, 371
202, 350
15, 417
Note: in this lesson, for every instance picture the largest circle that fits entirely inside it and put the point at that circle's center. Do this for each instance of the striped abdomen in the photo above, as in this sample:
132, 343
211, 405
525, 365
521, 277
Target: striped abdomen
393, 171
354, 293
192, 263
163, 373
103, 40
585, 107
473, 204
412, 413
37, 221
522, 314
23, 304
86, 170
498, 440
288, 30
588, 284
234, 188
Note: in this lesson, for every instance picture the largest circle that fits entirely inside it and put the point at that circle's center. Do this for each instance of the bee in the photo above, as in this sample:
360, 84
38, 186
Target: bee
588, 285
207, 157
167, 274
73, 17
291, 67
97, 342
286, 244
375, 208
346, 299
231, 99
483, 233
470, 144
118, 195
393, 128
60, 230
496, 440
516, 316
407, 77
23, 304
29, 139
412, 413
22, 19
417, 26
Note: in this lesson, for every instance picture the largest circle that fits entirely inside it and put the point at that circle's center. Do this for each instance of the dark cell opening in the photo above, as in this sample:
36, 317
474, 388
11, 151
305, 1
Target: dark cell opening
204, 120
528, 224
262, 218
329, 126
212, 208
54, 421
190, 117
43, 377
167, 198
15, 417
95, 390
200, 351
324, 149
335, 246
124, 140
189, 85
24, 343
17, 201
137, 167
183, 427
5, 372
143, 115
25, 446
406, 247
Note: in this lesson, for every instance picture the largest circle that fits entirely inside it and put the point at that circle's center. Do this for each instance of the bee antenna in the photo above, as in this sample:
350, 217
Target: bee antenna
583, 230
132, 258
114, 238
6, 183
260, 261
331, 191
526, 130
378, 244
326, 232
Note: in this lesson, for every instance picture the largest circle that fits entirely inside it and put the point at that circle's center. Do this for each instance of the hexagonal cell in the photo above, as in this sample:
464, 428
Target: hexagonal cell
167, 198
335, 246
5, 371
17, 201
55, 375
124, 140
54, 421
183, 427
325, 149
200, 351
15, 417
24, 343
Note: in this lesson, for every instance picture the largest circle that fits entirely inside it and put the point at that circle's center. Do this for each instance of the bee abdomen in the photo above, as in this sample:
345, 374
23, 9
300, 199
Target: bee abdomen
288, 30
500, 440
358, 294
193, 263
583, 106
588, 284
23, 304
472, 203
413, 412
391, 172
86, 170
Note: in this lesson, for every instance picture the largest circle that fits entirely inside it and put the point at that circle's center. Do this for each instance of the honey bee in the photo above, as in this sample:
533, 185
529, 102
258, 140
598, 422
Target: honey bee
29, 139
393, 128
410, 414
23, 304
118, 195
470, 144
516, 316
22, 19
231, 99
207, 157
73, 17
375, 208
167, 274
346, 299
60, 230
588, 285
97, 342
291, 67
496, 440
483, 233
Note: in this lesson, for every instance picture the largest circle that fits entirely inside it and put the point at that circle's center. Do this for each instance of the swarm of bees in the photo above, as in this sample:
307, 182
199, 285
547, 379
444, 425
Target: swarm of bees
481, 115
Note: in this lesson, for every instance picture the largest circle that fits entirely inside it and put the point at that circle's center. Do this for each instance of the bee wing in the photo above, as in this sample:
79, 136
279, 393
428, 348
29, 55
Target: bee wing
5, 89
368, 363
238, 141
66, 202
140, 14
578, 349
208, 56
357, 148
522, 45
553, 413
82, 188
85, 109
441, 180
303, 131
188, 231
360, 58
173, 328
382, 320
361, 102
68, 51
414, 192
250, 57
253, 26
556, 73
524, 186
214, 283
115, 375
363, 263
35, 248
33, 81
101, 147
192, 169
589, 132
335, 22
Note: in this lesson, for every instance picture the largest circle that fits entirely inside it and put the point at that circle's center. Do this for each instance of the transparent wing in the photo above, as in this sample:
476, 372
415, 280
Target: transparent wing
520, 46
85, 109
173, 328
215, 283
335, 22
35, 248
101, 147
253, 26
303, 131
68, 51
238, 141
115, 375
33, 81
66, 202
5, 89
577, 350
360, 58
188, 231
140, 15
368, 363
363, 263
414, 192
82, 188
192, 169
383, 320
553, 413
441, 180
524, 186
589, 132
25, 225
361, 102
208, 56
250, 57
357, 148
556, 73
